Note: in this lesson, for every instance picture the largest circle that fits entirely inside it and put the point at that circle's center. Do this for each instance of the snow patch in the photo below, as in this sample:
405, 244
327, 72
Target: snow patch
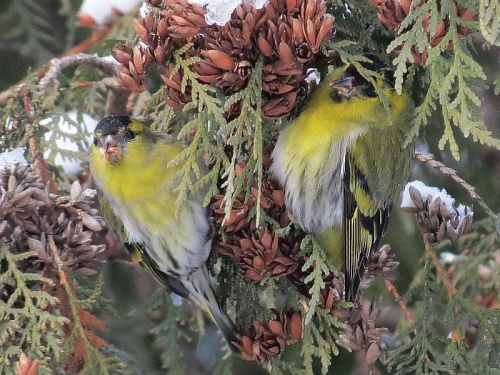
459, 213
10, 158
100, 9
71, 167
219, 11
426, 191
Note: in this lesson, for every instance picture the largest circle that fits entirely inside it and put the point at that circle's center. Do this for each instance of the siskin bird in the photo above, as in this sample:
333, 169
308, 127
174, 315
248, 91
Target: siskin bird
342, 163
130, 165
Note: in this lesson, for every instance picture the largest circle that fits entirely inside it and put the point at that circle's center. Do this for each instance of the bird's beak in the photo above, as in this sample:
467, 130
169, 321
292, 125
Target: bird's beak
343, 85
110, 149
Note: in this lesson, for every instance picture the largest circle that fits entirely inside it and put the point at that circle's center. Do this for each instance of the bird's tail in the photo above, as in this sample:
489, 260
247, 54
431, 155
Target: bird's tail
202, 294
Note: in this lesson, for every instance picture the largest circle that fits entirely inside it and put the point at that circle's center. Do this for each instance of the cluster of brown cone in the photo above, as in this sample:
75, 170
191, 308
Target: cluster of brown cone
391, 14
262, 254
33, 219
435, 219
286, 33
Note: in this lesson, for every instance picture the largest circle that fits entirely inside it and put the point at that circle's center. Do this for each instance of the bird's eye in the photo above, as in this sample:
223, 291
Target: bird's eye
130, 134
335, 96
96, 142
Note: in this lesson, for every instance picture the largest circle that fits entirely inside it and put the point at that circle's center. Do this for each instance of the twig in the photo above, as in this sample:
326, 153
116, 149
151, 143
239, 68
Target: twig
447, 171
430, 254
456, 336
118, 98
430, 159
63, 279
116, 103
58, 65
394, 292
39, 165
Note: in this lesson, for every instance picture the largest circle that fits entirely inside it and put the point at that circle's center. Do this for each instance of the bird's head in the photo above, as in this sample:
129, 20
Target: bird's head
113, 134
346, 82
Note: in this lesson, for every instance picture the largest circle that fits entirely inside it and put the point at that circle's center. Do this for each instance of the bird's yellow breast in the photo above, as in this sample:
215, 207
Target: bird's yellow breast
324, 117
142, 181
324, 121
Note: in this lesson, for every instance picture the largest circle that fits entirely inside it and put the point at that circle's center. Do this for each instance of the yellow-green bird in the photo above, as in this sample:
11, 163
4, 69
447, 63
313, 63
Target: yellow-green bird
130, 165
342, 163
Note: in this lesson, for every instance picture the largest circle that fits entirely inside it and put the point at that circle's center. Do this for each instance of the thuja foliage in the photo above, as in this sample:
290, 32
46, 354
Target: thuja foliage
228, 108
32, 325
457, 331
46, 313
450, 84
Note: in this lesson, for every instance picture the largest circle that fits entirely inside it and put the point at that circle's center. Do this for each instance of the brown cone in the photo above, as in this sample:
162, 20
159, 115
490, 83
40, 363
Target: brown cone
174, 96
257, 256
288, 34
435, 219
362, 333
231, 53
391, 14
272, 201
26, 366
131, 74
30, 214
268, 338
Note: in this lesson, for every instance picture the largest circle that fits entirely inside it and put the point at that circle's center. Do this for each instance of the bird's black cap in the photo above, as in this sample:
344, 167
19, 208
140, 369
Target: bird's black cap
111, 125
377, 65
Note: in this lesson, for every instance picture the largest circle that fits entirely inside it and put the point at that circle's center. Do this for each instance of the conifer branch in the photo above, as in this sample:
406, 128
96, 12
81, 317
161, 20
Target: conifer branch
402, 304
450, 288
489, 11
228, 90
430, 254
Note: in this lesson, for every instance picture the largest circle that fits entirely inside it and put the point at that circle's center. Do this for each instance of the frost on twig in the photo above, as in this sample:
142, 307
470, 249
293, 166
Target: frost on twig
436, 212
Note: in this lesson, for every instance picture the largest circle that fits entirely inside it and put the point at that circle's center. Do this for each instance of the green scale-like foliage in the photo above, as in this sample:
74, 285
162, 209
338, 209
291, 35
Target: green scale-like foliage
450, 75
210, 126
444, 86
437, 343
27, 320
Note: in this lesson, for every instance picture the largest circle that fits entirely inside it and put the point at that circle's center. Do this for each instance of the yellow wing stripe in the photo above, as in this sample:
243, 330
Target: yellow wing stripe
364, 223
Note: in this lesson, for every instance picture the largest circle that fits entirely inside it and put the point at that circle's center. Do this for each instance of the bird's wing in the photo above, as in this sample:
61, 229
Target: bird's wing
112, 221
171, 283
364, 223
138, 251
